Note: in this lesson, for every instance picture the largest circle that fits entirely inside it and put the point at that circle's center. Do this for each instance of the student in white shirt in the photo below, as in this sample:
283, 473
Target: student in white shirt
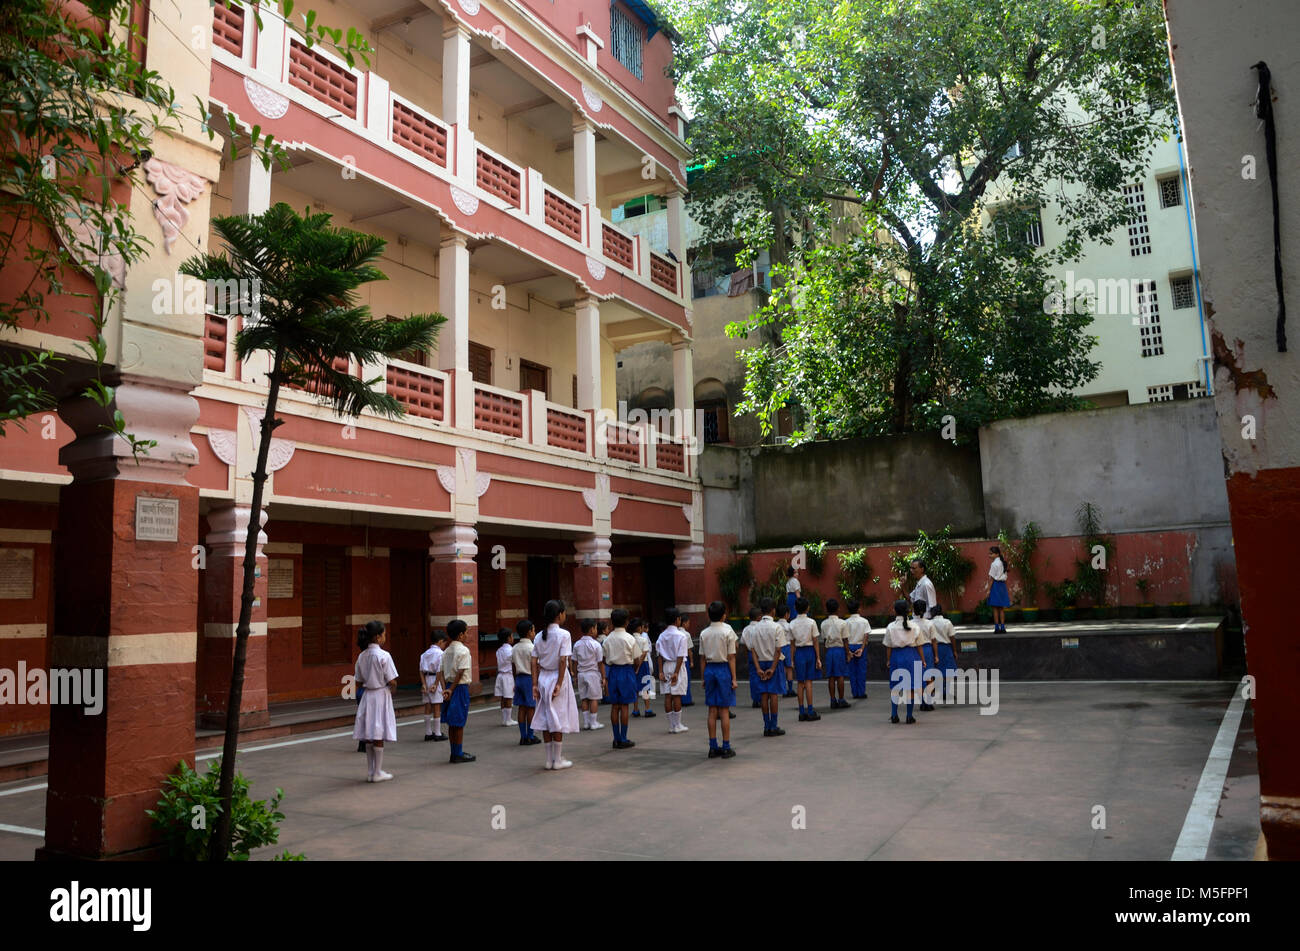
457, 671
621, 653
903, 659
376, 722
601, 634
807, 659
924, 590
764, 651
792, 592
945, 640
645, 675
999, 599
755, 687
431, 687
590, 660
927, 644
837, 663
504, 688
673, 670
557, 710
785, 673
525, 705
718, 672
857, 629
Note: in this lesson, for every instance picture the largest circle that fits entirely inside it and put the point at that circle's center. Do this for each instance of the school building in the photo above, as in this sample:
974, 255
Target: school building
487, 141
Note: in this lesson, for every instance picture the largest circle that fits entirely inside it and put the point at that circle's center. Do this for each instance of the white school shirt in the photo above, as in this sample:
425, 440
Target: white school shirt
898, 636
643, 645
717, 642
833, 631
783, 633
998, 570
375, 668
856, 630
924, 591
588, 653
455, 660
943, 630
793, 587
505, 659
744, 633
926, 629
430, 664
802, 631
672, 645
522, 656
552, 649
620, 648
762, 638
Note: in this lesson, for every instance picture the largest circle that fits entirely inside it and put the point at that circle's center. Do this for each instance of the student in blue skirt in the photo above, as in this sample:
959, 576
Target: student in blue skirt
903, 660
856, 631
793, 590
522, 658
457, 668
755, 687
645, 675
621, 653
999, 600
807, 659
718, 671
837, 665
945, 638
786, 646
926, 643
765, 654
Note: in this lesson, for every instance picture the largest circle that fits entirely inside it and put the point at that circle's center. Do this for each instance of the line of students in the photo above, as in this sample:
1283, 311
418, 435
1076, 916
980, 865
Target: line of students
536, 675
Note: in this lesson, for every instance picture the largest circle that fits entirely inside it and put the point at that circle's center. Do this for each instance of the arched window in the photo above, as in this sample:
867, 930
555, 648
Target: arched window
712, 413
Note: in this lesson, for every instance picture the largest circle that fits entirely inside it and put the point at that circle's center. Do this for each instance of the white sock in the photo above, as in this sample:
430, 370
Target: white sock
559, 756
379, 760
505, 716
437, 726
428, 724
550, 753
672, 720
370, 759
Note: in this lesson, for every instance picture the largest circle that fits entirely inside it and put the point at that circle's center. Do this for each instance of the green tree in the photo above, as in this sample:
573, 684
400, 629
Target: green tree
862, 139
300, 276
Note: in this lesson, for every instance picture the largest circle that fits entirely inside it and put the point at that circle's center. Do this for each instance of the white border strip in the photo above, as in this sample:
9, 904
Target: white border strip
22, 830
1194, 840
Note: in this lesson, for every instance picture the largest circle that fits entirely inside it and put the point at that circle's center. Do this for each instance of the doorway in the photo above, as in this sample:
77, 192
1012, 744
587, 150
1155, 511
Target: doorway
408, 629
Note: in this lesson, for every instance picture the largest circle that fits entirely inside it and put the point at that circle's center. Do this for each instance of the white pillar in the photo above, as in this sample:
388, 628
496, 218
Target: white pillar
455, 99
453, 338
588, 320
252, 187
684, 387
677, 225
584, 163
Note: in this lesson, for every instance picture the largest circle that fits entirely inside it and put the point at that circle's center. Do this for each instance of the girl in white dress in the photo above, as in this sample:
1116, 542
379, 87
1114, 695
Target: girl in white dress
376, 721
557, 709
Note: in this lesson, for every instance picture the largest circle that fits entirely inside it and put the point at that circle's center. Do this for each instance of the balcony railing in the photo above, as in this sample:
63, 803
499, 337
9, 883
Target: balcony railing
624, 443
420, 390
498, 177
314, 73
216, 332
228, 28
617, 246
566, 429
498, 411
663, 272
563, 215
422, 134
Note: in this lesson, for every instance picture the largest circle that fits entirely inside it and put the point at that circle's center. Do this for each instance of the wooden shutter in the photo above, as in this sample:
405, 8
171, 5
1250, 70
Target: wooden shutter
480, 363
325, 599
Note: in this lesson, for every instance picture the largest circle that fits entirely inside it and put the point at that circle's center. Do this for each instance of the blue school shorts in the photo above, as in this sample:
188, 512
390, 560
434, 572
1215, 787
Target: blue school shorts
805, 663
774, 684
837, 664
927, 652
622, 683
718, 691
455, 712
947, 659
524, 691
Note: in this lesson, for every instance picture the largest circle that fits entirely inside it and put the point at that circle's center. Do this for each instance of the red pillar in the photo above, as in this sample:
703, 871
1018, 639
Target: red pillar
688, 583
223, 588
593, 585
453, 584
127, 599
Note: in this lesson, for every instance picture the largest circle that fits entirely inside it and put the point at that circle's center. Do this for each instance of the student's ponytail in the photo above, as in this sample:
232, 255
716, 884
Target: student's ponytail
552, 610
369, 634
900, 610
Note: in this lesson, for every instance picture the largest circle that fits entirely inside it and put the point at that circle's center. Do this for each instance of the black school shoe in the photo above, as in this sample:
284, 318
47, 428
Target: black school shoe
927, 706
731, 714
650, 713
728, 753
775, 731
814, 715
894, 719
625, 744
715, 752
440, 737
911, 719
463, 758
534, 740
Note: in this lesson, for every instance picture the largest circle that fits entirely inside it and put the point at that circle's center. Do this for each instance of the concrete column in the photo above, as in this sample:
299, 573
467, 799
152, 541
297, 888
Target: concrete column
677, 226
588, 320
252, 187
453, 339
453, 584
223, 588
584, 163
593, 586
684, 388
125, 616
688, 583
455, 97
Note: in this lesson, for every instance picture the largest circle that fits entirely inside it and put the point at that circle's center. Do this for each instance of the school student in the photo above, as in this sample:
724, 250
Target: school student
522, 659
856, 631
792, 592
946, 638
685, 628
504, 688
903, 660
807, 658
999, 600
785, 676
718, 672
621, 654
376, 721
457, 669
557, 710
673, 669
837, 664
927, 643
601, 634
589, 659
431, 687
645, 676
765, 654
755, 687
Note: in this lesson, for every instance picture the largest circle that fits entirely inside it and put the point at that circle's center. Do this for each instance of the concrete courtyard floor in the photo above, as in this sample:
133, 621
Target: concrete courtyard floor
1021, 784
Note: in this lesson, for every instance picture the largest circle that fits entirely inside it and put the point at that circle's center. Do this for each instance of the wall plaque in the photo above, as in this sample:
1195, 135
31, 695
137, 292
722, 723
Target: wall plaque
17, 573
279, 578
156, 520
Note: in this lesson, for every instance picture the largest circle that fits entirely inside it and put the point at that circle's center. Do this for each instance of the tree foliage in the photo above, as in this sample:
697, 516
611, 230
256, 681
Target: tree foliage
860, 142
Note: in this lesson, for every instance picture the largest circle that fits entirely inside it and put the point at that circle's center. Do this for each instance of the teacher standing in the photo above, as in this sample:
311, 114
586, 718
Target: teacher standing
924, 590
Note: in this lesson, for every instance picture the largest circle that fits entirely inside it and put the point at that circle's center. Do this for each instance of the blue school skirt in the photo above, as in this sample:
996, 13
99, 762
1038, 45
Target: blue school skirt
642, 673
456, 710
718, 691
774, 684
947, 659
837, 664
927, 652
906, 659
998, 597
755, 685
805, 663
524, 691
858, 674
790, 599
687, 699
622, 683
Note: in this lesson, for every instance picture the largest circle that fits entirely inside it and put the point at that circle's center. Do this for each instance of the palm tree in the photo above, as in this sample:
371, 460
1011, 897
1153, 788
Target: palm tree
296, 279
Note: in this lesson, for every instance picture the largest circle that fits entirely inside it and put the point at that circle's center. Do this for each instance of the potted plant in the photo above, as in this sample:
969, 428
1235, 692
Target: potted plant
1064, 598
1145, 608
733, 580
1179, 609
983, 613
815, 557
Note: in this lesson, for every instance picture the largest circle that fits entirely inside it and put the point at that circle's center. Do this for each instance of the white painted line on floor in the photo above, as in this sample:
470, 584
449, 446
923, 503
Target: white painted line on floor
1194, 840
22, 830
21, 789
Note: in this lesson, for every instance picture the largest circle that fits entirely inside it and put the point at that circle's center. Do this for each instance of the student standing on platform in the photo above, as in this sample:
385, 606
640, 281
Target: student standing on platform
522, 659
431, 687
766, 655
645, 675
457, 669
621, 653
837, 663
718, 673
755, 686
376, 721
924, 590
792, 592
903, 661
673, 672
557, 710
946, 640
807, 658
999, 600
786, 647
927, 643
505, 682
856, 631
590, 660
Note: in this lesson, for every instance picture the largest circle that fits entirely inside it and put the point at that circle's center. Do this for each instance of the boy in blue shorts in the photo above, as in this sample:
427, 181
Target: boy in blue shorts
525, 705
718, 670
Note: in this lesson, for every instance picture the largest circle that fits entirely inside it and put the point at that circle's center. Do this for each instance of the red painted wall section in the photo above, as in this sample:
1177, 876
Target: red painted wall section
34, 446
635, 515
29, 613
524, 469
349, 481
517, 501
650, 490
